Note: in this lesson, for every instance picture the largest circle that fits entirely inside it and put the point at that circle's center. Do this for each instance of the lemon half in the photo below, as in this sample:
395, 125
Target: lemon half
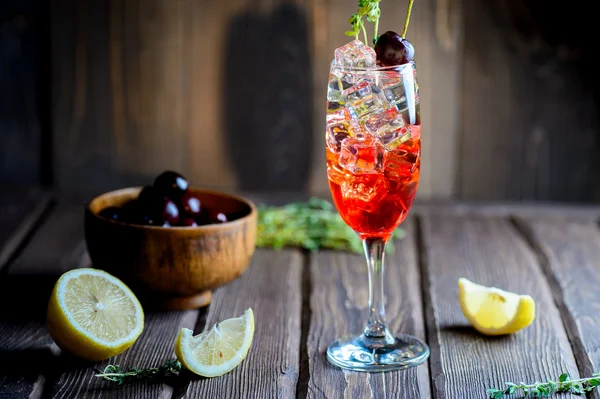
492, 311
93, 315
218, 350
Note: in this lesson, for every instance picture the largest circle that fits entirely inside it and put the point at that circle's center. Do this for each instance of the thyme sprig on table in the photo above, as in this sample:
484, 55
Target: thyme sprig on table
114, 373
545, 389
311, 225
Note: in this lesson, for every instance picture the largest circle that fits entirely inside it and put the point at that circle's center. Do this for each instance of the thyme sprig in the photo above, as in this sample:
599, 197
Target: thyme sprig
116, 374
312, 225
369, 10
545, 389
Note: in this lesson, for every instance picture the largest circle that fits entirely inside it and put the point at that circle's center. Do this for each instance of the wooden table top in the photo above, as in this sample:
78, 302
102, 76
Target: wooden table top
302, 301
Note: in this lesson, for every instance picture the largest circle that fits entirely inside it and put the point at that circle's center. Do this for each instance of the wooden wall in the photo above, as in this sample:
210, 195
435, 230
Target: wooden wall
231, 94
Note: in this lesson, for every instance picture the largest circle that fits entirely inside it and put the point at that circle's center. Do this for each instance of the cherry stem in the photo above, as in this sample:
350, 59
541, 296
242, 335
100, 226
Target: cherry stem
410, 4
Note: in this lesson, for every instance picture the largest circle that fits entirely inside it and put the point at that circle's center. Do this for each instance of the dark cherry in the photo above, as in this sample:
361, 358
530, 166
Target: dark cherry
150, 220
171, 184
191, 204
188, 221
132, 212
156, 208
170, 212
112, 212
150, 199
217, 218
392, 49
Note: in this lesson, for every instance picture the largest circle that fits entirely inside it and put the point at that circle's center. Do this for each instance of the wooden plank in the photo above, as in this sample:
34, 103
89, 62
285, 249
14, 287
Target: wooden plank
523, 92
37, 366
537, 209
154, 347
339, 304
272, 287
220, 95
570, 252
20, 132
19, 213
491, 252
25, 348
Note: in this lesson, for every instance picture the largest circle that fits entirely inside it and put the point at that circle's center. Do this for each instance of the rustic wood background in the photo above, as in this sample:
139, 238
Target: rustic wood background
101, 94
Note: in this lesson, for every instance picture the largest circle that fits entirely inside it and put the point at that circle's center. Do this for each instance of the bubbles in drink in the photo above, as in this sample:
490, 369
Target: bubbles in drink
364, 192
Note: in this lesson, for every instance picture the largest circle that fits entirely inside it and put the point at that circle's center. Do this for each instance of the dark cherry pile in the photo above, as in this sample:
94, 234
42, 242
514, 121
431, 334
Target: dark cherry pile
392, 49
167, 202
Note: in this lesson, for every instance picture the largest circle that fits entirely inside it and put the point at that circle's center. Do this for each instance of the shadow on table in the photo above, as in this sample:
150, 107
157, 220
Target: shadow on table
25, 297
465, 331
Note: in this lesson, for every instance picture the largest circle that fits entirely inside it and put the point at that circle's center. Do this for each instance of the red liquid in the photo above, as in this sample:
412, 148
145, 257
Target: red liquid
374, 204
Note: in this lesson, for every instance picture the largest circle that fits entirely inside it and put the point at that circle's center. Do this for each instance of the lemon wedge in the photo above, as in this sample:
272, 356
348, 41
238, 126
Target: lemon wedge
93, 315
492, 311
219, 350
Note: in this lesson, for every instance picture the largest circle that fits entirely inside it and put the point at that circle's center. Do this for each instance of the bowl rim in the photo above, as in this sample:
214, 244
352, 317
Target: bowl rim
206, 227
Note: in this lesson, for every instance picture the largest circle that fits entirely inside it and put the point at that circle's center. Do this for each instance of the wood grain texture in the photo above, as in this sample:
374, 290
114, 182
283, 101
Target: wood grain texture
571, 253
19, 213
518, 108
153, 348
221, 94
26, 353
267, 96
32, 366
120, 91
528, 209
436, 32
339, 304
20, 133
272, 288
488, 251
173, 268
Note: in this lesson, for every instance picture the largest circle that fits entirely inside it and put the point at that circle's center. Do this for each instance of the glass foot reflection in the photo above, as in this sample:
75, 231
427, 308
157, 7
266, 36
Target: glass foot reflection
377, 355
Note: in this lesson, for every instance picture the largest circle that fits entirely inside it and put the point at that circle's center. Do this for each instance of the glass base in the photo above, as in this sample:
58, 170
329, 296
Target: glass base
377, 354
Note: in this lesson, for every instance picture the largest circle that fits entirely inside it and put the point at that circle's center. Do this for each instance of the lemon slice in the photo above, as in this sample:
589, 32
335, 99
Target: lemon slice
93, 315
218, 350
492, 311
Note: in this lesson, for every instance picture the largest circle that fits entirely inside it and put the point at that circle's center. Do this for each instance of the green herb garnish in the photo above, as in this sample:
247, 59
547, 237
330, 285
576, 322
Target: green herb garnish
368, 9
114, 373
545, 389
311, 225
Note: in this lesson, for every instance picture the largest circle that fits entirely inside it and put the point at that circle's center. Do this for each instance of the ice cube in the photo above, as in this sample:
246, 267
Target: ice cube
337, 131
365, 191
400, 166
389, 127
364, 98
337, 115
355, 54
362, 155
335, 88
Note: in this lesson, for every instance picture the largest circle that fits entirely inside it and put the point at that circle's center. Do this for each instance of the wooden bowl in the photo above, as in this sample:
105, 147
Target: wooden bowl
172, 267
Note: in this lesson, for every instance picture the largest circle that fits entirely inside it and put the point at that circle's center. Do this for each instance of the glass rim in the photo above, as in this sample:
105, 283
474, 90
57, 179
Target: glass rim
375, 68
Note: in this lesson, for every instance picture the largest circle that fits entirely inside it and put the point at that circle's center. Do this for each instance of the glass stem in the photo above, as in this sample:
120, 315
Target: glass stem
374, 252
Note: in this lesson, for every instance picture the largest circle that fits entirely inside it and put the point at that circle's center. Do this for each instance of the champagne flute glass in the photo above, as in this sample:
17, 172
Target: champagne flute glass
373, 138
